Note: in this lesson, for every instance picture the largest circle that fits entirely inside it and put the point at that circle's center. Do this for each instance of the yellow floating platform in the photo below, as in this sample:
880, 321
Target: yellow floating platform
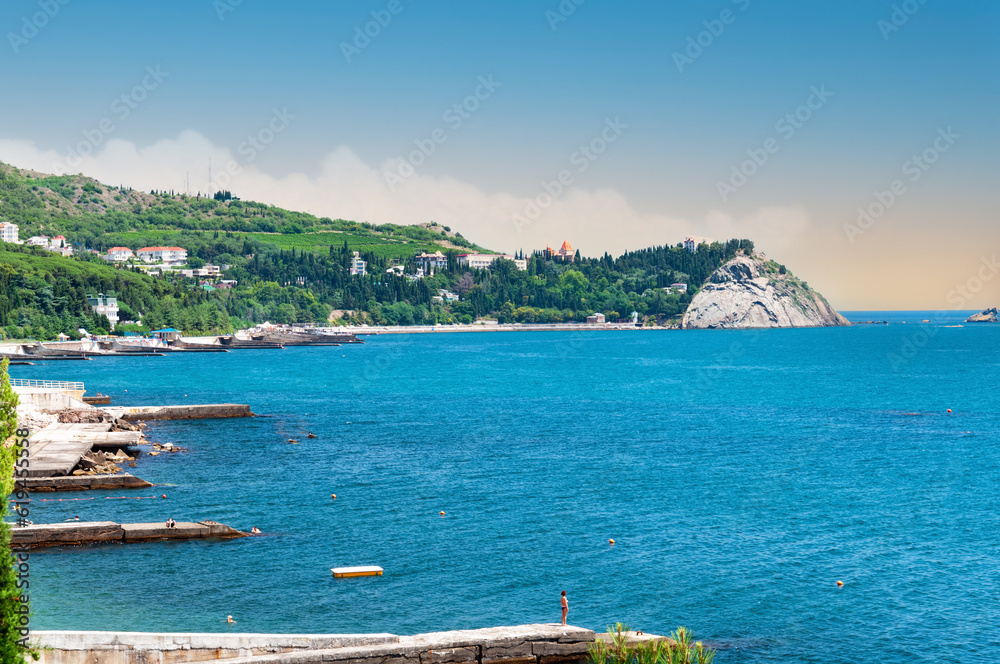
348, 572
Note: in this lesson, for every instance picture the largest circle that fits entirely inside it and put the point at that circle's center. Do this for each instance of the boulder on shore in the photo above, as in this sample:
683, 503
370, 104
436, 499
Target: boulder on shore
755, 292
984, 316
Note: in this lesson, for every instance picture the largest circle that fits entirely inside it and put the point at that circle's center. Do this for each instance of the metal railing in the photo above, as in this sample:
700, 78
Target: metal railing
46, 384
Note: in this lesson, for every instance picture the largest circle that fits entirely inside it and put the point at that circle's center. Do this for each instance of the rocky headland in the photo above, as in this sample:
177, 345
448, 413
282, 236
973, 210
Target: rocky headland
755, 292
984, 316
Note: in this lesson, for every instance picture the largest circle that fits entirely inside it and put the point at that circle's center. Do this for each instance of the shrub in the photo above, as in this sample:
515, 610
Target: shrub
678, 649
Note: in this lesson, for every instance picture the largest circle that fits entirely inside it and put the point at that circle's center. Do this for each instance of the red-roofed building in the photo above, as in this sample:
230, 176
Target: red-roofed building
168, 255
118, 254
565, 253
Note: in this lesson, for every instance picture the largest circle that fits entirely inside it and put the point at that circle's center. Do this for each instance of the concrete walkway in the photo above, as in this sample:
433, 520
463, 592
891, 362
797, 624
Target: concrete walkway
56, 449
523, 644
191, 412
88, 532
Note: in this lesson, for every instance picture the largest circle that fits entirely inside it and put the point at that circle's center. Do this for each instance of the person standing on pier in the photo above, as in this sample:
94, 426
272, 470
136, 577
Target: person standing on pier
565, 606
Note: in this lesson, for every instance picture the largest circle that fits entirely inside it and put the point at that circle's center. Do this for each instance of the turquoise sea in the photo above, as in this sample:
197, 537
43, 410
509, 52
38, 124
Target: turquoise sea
740, 473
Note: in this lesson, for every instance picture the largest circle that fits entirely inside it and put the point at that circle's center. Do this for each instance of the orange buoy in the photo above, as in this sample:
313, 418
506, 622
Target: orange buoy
333, 495
164, 495
840, 583
611, 542
949, 410
441, 512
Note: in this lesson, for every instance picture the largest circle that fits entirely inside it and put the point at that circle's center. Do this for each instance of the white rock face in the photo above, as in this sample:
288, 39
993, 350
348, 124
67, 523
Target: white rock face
985, 316
750, 292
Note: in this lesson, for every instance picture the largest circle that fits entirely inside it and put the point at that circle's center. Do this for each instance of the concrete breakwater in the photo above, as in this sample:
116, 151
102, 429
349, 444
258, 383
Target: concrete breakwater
189, 412
523, 644
89, 532
82, 483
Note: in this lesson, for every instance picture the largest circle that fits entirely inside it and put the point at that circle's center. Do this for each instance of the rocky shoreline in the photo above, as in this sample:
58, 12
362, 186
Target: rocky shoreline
755, 292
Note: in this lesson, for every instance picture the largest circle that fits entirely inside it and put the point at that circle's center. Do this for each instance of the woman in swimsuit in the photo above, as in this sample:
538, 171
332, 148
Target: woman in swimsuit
565, 606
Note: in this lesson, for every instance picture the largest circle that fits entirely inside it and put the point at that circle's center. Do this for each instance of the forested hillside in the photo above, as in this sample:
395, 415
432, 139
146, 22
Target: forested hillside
294, 268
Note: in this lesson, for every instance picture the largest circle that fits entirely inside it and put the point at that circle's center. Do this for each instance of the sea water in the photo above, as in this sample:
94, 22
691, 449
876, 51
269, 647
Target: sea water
741, 474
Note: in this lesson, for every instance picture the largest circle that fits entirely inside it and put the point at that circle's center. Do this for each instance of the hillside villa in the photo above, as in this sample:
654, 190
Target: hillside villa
119, 254
8, 233
105, 304
484, 261
691, 242
565, 253
165, 255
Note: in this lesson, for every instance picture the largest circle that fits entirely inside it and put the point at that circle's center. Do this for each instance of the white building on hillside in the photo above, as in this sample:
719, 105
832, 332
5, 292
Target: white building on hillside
358, 266
166, 255
435, 261
119, 254
105, 304
60, 245
691, 243
8, 233
484, 261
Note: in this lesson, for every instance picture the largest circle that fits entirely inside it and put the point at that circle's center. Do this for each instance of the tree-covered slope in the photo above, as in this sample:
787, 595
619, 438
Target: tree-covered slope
293, 267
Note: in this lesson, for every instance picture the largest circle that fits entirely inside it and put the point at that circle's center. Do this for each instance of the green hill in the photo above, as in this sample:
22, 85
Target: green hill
99, 216
293, 267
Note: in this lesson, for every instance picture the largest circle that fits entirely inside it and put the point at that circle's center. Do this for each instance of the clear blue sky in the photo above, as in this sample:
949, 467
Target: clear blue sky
557, 87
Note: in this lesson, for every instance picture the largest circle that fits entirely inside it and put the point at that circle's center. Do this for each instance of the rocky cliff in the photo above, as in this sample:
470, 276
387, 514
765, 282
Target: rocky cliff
752, 291
985, 316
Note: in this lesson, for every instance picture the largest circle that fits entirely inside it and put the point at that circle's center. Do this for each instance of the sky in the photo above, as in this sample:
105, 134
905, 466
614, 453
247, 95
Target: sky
854, 142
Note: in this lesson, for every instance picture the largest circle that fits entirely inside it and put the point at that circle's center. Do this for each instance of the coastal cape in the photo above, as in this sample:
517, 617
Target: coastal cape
984, 316
753, 292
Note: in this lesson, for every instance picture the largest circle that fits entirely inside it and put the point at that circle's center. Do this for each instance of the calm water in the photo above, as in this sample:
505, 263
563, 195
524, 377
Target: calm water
741, 474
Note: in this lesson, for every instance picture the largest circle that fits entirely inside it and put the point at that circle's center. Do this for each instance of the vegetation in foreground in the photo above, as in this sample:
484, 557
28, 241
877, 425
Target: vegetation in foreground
14, 612
678, 649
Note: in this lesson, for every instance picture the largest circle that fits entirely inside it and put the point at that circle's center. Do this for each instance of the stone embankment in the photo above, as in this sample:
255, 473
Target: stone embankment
524, 644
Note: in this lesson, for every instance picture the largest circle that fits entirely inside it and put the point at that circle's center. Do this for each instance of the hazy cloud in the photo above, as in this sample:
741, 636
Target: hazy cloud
594, 220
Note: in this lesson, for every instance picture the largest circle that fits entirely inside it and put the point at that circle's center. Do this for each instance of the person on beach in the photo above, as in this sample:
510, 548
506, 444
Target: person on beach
565, 606
171, 523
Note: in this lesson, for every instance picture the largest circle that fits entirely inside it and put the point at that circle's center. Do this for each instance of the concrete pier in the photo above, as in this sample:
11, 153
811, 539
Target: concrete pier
82, 483
90, 532
58, 448
192, 412
524, 644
